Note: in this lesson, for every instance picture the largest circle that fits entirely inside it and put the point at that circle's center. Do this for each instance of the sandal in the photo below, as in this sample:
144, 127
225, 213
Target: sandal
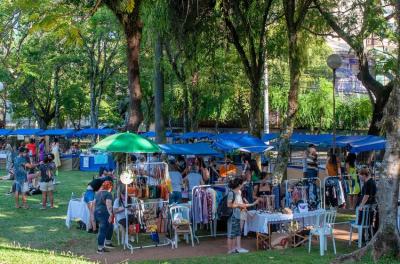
17, 207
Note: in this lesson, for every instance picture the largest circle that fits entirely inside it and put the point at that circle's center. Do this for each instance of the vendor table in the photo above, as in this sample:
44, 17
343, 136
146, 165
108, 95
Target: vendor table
78, 209
93, 162
260, 223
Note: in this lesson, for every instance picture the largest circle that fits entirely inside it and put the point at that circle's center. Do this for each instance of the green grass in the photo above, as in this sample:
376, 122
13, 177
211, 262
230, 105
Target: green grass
45, 229
340, 217
13, 254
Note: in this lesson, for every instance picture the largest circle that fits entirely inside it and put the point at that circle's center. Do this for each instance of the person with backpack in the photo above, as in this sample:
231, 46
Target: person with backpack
235, 203
47, 168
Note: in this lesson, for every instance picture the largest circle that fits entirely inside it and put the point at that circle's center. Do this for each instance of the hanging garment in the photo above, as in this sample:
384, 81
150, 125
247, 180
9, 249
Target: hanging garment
276, 190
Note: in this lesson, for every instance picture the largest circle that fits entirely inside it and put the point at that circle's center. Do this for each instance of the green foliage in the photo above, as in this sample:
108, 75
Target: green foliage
353, 112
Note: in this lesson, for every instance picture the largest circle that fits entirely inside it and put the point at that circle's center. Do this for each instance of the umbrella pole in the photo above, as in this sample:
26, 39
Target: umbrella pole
126, 161
126, 244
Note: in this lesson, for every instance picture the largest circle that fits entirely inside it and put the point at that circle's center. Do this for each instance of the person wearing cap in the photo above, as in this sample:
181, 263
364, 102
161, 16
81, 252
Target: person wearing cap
176, 182
21, 178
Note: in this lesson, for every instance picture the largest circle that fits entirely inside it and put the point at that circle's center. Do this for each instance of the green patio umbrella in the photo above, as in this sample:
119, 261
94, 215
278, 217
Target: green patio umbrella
127, 143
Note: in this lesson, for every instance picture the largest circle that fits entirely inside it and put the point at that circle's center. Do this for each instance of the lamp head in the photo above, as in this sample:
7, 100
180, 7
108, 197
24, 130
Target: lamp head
126, 177
334, 61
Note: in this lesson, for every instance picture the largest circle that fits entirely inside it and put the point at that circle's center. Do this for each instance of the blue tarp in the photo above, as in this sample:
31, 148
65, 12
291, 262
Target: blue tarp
26, 132
368, 146
200, 149
270, 136
322, 139
5, 132
356, 144
58, 132
95, 131
152, 134
243, 142
343, 141
195, 135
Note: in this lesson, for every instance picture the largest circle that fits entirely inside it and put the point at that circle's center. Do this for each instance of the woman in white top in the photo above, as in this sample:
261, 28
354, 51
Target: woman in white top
55, 150
193, 179
119, 210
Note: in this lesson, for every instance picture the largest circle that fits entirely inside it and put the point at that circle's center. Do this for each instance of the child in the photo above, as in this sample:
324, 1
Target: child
235, 202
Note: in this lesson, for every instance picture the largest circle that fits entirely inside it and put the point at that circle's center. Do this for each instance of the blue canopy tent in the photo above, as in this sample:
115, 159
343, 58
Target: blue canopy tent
270, 136
199, 149
26, 132
95, 131
368, 146
57, 132
343, 141
242, 142
152, 134
5, 132
195, 135
321, 139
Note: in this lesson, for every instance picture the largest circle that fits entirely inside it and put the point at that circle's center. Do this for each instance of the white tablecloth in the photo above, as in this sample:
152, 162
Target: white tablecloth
258, 222
77, 209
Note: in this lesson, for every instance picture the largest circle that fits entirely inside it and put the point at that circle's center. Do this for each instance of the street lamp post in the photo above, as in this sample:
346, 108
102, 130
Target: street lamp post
334, 61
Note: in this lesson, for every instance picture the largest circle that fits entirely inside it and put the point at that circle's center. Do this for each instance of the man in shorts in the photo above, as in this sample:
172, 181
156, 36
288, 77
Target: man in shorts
21, 179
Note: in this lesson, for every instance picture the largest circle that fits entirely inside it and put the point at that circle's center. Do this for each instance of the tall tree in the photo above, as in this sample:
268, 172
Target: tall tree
354, 22
128, 14
295, 13
101, 42
386, 241
246, 22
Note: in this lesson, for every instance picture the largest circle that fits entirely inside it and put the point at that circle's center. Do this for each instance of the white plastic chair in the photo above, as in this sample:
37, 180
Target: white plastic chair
184, 210
323, 231
119, 233
364, 225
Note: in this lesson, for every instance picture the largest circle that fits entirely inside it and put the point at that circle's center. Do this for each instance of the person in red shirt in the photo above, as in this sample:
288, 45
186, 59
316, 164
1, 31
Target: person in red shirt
32, 149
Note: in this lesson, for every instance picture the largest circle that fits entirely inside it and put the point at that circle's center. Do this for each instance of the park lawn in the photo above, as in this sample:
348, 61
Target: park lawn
14, 254
45, 229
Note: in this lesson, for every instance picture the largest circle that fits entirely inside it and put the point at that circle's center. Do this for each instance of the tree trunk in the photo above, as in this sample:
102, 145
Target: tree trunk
93, 117
185, 108
375, 127
57, 97
266, 98
132, 26
386, 241
4, 114
255, 111
159, 92
288, 124
133, 36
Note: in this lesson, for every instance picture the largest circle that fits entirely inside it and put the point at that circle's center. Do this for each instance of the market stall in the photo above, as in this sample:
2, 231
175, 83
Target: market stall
94, 161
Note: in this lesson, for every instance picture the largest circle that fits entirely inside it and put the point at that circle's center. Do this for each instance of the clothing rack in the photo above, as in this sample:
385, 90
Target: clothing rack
213, 223
292, 182
325, 181
140, 204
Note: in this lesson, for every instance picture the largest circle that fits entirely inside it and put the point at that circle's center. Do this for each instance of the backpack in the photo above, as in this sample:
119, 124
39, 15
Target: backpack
224, 212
